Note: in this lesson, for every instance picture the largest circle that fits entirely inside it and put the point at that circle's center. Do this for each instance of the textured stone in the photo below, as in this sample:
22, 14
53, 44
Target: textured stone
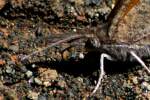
29, 74
2, 3
47, 74
37, 81
33, 95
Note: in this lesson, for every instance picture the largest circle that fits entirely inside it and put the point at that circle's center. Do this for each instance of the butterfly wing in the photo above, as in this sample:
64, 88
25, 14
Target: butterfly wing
131, 25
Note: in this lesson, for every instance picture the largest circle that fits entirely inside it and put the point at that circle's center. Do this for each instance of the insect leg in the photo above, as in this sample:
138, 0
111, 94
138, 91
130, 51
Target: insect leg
139, 60
71, 38
103, 55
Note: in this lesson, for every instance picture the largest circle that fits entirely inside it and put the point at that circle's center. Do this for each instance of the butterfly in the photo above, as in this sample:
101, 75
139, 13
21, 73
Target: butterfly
122, 35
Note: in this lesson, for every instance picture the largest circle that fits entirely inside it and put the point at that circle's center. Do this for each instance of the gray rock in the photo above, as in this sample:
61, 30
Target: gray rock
9, 70
23, 69
33, 65
15, 48
146, 85
32, 95
42, 97
37, 81
146, 78
29, 74
135, 80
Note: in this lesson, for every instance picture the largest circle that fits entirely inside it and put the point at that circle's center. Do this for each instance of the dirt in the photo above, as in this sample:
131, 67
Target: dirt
68, 70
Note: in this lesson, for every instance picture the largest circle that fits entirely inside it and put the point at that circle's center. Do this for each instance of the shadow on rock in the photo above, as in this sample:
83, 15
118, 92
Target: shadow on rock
86, 66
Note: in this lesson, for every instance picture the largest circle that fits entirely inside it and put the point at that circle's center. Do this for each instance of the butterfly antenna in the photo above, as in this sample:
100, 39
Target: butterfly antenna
139, 60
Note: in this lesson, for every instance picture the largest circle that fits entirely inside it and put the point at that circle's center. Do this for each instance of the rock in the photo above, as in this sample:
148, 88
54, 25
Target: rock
17, 3
42, 97
138, 90
10, 63
2, 62
66, 55
148, 96
70, 93
23, 69
108, 98
8, 70
47, 74
58, 9
74, 30
33, 65
37, 81
135, 80
7, 93
1, 71
80, 79
31, 80
81, 56
146, 78
46, 83
29, 74
32, 95
140, 72
14, 48
1, 97
146, 85
2, 3
62, 84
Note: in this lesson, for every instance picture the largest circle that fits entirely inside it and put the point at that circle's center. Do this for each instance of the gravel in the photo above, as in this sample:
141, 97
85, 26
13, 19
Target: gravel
29, 74
28, 26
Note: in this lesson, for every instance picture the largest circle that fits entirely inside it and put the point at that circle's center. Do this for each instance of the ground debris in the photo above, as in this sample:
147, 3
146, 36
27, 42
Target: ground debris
67, 70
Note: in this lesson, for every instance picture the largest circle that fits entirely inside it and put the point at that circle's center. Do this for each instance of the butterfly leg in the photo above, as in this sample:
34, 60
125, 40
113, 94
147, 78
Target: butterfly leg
71, 38
140, 61
103, 55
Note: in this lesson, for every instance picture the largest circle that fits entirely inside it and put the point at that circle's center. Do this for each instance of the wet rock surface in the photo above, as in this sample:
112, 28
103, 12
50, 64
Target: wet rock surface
65, 71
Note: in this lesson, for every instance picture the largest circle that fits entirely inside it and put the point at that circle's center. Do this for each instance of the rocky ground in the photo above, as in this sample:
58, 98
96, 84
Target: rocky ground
68, 70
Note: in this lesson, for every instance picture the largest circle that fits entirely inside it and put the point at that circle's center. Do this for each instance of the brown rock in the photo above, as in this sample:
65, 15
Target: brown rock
47, 74
2, 3
33, 95
17, 2
62, 84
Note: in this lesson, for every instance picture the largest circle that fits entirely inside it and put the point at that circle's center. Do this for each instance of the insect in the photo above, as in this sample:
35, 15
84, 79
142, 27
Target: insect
111, 48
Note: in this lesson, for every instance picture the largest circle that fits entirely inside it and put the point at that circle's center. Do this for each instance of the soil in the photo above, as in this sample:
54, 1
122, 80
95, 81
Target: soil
68, 70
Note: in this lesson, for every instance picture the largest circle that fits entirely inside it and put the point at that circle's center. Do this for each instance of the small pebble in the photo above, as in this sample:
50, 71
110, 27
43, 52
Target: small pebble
2, 3
33, 65
23, 69
1, 33
96, 15
80, 79
146, 85
14, 48
42, 97
135, 80
46, 83
8, 70
31, 80
74, 30
29, 74
81, 56
62, 84
66, 55
146, 78
37, 81
33, 95
140, 72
